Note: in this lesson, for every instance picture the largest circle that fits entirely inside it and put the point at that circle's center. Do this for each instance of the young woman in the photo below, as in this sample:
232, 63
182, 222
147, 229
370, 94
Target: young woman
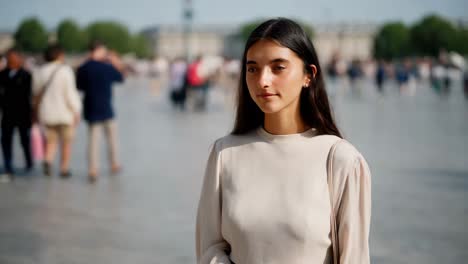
283, 187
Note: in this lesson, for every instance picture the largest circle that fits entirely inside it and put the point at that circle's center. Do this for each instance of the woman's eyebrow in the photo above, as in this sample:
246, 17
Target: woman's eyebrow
272, 61
279, 60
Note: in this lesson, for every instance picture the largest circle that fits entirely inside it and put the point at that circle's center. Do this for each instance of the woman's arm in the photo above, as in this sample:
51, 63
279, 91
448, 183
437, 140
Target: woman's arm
71, 95
354, 206
210, 245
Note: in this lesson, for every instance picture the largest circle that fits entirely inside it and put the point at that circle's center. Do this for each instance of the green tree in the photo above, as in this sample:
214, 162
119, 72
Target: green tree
31, 35
70, 37
140, 46
461, 45
432, 34
392, 41
113, 34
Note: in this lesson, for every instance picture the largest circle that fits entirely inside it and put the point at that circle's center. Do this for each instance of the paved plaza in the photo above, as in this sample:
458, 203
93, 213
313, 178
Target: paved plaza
416, 146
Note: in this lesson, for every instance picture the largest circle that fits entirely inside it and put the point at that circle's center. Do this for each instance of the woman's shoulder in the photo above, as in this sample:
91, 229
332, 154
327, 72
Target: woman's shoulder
51, 67
346, 154
231, 140
349, 168
65, 69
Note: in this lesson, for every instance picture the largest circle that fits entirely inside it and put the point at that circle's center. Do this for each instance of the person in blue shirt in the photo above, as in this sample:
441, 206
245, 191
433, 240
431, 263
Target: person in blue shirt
95, 78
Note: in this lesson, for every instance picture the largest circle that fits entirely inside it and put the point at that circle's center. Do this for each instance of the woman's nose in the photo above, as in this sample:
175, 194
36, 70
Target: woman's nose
264, 79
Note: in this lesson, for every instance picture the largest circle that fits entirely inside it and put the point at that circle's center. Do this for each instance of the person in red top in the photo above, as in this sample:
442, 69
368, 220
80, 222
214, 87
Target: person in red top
198, 83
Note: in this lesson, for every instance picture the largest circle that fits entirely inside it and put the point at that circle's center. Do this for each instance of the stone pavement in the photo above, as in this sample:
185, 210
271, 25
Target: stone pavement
417, 148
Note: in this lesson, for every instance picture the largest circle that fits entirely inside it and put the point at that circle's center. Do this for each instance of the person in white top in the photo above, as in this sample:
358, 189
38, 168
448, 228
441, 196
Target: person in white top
59, 107
283, 187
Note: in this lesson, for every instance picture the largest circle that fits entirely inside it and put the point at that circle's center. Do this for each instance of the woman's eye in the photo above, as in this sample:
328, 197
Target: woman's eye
279, 68
251, 70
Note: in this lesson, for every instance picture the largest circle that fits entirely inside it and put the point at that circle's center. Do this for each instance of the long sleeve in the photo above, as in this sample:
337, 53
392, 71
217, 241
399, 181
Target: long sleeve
80, 82
354, 208
71, 92
210, 245
29, 83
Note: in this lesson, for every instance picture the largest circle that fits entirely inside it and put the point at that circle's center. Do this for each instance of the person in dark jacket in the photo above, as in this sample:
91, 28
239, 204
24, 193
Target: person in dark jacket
95, 78
15, 102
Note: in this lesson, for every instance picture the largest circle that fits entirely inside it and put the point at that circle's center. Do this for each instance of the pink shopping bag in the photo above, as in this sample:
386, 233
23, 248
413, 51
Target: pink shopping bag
37, 143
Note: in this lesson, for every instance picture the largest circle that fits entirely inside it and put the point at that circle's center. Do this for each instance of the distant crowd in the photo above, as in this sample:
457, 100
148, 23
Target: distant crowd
46, 103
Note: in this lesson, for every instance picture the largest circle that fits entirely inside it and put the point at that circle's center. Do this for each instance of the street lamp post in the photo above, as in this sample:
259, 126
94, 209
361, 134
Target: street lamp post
188, 21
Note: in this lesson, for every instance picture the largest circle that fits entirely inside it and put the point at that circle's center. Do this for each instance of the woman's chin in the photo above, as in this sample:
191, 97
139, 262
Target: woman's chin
269, 108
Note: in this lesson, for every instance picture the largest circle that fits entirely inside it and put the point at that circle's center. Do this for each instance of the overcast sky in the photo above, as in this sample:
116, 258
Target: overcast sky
138, 14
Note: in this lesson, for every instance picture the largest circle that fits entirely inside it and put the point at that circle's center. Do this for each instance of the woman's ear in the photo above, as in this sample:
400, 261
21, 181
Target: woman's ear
313, 68
310, 76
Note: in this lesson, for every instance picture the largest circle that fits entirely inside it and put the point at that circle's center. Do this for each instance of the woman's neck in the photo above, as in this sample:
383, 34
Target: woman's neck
284, 123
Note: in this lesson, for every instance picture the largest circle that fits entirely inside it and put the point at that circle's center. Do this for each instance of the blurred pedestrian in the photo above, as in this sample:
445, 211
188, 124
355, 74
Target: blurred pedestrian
283, 187
15, 103
95, 78
380, 76
446, 80
402, 77
198, 84
232, 68
437, 76
178, 82
354, 74
332, 74
59, 106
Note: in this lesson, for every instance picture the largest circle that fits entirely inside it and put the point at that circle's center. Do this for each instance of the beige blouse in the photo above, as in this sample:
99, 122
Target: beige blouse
61, 101
265, 199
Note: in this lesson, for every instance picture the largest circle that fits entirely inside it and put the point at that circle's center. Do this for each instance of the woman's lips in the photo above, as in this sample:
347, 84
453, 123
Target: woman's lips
267, 95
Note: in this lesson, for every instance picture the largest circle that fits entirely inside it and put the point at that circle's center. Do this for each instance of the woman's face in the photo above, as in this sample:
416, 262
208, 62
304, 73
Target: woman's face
275, 76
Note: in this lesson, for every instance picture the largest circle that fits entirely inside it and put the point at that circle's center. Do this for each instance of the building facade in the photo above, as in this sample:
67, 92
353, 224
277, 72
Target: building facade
349, 41
6, 41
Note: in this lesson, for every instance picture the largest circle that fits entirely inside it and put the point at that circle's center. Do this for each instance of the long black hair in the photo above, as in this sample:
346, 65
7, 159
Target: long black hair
314, 106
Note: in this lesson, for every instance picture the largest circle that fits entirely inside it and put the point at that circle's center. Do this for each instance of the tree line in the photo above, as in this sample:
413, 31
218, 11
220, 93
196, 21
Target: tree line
393, 40
31, 36
427, 37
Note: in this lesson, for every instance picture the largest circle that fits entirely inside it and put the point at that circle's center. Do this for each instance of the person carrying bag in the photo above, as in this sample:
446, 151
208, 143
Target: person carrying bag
57, 106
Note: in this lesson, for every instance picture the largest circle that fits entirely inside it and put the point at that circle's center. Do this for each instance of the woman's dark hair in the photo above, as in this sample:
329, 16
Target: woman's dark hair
314, 106
52, 52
